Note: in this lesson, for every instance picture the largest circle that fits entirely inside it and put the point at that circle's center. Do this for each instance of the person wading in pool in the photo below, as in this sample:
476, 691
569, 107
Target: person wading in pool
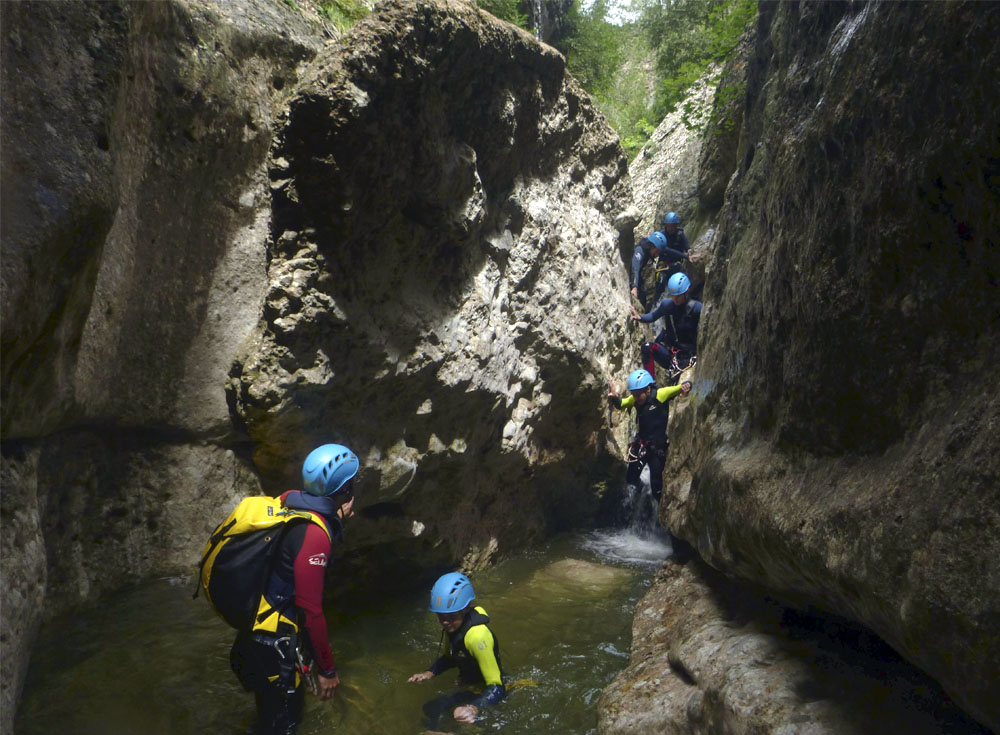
472, 648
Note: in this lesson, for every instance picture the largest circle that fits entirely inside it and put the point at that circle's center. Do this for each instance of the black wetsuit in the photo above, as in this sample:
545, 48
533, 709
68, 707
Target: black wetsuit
475, 650
679, 333
650, 446
676, 251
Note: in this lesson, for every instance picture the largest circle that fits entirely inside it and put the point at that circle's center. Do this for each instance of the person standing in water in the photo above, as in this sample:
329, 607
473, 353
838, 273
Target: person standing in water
472, 648
264, 658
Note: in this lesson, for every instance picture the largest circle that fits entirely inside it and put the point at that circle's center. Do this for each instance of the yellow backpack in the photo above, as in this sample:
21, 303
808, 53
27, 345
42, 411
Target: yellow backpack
241, 555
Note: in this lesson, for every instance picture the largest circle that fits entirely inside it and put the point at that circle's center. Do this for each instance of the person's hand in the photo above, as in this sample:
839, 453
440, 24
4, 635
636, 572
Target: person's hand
422, 676
612, 390
633, 312
635, 291
466, 713
327, 686
685, 387
694, 257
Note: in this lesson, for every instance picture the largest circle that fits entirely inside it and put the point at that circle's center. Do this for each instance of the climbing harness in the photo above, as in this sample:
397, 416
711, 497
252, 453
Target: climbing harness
675, 368
639, 449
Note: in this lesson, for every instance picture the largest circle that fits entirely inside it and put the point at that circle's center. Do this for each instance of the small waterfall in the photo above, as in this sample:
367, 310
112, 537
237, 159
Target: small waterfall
537, 15
638, 537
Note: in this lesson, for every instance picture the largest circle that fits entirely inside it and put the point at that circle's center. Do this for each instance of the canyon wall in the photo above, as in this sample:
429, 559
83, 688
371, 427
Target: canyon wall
235, 235
840, 452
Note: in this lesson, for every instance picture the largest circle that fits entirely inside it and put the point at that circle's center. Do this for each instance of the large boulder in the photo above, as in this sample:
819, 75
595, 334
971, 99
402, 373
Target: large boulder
446, 292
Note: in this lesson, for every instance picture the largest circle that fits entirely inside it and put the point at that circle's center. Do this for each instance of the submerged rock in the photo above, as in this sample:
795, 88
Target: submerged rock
585, 577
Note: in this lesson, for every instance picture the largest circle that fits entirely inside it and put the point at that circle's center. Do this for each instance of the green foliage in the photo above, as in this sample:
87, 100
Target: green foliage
688, 36
636, 139
508, 10
609, 62
342, 13
593, 48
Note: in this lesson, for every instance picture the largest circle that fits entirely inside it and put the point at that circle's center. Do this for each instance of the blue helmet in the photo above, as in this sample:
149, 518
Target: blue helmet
671, 218
451, 593
639, 379
658, 240
328, 468
678, 284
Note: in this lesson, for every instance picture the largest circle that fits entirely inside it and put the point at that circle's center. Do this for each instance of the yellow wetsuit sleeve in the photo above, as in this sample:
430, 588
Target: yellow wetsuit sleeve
479, 643
665, 394
662, 394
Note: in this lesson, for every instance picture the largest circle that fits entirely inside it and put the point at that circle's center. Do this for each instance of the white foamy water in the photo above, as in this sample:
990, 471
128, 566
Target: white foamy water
642, 541
629, 545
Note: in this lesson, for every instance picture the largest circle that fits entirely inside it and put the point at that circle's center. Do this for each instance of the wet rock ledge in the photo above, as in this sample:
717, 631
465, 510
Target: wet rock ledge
713, 656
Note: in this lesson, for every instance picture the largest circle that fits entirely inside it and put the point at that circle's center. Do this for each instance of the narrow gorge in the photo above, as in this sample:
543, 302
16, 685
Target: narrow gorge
232, 232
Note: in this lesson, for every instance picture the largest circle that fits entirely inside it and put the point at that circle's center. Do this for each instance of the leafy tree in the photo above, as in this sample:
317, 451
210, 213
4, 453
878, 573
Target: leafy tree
687, 37
508, 10
594, 48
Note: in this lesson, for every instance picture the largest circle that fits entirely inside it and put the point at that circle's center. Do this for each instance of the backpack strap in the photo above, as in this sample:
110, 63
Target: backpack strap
272, 563
213, 541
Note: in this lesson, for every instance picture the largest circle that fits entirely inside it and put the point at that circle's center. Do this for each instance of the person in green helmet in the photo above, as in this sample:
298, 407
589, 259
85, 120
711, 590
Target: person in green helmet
472, 648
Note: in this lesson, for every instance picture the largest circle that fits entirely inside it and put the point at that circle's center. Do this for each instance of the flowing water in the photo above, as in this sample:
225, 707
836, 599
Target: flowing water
151, 661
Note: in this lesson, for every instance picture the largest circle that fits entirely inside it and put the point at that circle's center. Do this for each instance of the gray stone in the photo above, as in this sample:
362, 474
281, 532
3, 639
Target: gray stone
709, 656
452, 195
842, 446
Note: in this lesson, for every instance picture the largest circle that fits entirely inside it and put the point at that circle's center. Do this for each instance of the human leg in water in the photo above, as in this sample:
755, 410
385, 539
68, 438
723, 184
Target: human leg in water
443, 705
278, 713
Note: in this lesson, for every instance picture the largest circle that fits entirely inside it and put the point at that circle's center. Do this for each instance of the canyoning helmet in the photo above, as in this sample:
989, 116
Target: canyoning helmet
451, 593
639, 379
328, 468
658, 240
671, 218
678, 284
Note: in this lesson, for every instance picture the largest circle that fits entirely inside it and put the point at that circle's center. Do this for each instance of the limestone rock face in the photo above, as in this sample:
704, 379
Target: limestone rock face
665, 172
132, 262
844, 446
403, 240
134, 201
709, 656
446, 290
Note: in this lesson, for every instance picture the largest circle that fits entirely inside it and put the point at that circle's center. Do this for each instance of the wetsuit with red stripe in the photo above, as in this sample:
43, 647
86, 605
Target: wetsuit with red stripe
305, 553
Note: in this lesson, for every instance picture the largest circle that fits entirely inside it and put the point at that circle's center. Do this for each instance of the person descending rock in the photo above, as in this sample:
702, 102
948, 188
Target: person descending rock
472, 647
677, 246
265, 658
649, 447
669, 247
677, 343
